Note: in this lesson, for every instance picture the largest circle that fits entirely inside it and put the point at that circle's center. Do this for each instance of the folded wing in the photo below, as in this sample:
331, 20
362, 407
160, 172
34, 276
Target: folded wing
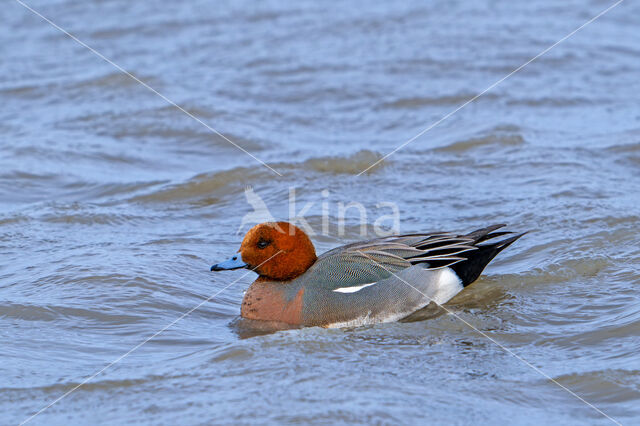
370, 261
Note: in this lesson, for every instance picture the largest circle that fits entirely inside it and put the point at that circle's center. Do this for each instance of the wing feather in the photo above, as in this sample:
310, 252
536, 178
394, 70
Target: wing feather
367, 262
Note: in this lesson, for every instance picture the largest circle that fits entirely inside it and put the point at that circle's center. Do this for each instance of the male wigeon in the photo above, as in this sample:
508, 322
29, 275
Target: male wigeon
379, 280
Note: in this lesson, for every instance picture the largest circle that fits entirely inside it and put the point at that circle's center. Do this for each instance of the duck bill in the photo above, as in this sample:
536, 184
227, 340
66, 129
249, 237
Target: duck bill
228, 265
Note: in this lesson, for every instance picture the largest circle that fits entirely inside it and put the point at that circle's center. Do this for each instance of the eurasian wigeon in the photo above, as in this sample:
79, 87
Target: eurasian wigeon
380, 280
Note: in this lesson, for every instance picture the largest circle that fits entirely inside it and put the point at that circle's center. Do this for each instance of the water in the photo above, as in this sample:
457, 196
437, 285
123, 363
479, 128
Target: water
114, 204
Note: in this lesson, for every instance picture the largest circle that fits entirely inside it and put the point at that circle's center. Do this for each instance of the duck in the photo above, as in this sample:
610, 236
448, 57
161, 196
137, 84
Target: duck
378, 280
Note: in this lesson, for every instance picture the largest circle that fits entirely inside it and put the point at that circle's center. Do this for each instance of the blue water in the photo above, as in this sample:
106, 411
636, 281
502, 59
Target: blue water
114, 203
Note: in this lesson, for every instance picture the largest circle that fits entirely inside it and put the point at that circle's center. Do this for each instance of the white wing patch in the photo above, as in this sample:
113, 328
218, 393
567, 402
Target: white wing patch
352, 289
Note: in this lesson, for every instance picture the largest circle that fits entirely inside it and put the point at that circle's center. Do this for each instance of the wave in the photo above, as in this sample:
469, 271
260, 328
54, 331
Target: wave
505, 136
353, 164
210, 187
556, 101
421, 101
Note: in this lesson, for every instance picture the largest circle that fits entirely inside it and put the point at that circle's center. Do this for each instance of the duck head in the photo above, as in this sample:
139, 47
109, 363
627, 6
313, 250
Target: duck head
277, 251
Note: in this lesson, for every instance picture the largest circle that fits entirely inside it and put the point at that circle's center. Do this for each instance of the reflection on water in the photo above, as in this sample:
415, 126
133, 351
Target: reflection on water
114, 204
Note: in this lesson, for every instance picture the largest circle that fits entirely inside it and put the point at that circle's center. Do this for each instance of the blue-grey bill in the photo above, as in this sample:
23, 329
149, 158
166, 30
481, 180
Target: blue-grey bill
234, 263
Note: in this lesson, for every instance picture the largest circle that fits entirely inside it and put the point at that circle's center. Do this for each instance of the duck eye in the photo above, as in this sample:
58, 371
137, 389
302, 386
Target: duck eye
262, 244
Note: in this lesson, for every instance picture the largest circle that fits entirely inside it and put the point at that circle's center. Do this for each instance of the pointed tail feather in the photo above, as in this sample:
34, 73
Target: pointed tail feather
483, 233
470, 269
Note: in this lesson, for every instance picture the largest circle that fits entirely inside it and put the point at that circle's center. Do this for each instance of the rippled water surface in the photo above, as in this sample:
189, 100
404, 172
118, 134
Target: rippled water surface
114, 204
